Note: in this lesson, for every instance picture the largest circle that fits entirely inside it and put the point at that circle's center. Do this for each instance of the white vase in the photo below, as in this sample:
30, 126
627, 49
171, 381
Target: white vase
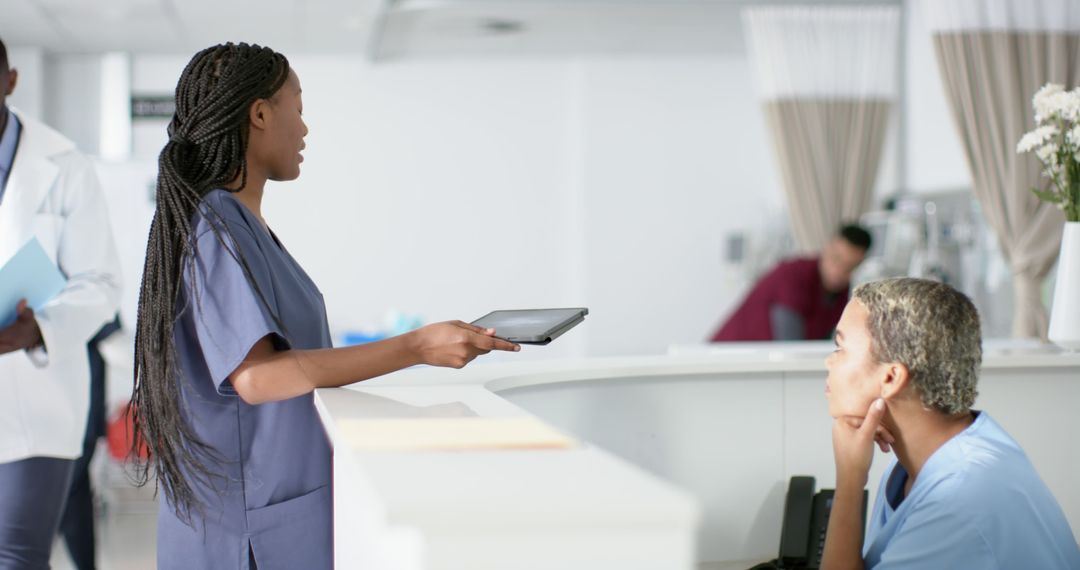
1065, 312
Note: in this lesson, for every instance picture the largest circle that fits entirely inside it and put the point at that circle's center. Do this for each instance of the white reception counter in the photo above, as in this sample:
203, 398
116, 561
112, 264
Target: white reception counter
684, 458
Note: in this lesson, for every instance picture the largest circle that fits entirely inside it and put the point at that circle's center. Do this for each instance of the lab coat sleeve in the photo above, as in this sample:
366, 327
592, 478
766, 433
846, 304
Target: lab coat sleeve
86, 255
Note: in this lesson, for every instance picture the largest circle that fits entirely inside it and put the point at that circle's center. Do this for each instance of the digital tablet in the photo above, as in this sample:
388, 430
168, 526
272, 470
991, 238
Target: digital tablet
531, 326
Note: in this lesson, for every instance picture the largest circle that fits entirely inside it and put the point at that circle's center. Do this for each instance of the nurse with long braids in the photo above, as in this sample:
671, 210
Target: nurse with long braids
232, 334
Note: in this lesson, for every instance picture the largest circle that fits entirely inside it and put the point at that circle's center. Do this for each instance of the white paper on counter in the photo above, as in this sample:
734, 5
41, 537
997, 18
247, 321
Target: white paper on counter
452, 434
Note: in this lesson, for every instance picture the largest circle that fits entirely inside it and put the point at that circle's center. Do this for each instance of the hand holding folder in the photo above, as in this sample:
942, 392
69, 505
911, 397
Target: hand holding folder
30, 275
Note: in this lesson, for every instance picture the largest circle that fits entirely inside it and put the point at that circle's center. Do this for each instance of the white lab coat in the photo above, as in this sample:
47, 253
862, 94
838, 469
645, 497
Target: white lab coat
53, 193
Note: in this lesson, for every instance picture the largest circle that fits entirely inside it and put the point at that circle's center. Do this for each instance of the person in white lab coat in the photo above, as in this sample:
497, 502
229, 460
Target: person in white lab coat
48, 190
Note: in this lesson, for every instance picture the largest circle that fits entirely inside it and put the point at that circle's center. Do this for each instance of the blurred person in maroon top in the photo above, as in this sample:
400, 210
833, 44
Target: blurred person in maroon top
802, 298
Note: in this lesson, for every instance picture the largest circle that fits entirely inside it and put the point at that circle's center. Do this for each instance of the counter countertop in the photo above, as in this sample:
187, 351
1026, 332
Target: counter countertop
576, 491
706, 359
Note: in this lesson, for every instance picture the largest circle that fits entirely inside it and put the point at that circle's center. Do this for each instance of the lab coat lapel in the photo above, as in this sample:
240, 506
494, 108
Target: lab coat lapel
32, 175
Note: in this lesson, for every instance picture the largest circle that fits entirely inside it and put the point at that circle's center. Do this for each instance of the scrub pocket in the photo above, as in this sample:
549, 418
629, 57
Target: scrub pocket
295, 533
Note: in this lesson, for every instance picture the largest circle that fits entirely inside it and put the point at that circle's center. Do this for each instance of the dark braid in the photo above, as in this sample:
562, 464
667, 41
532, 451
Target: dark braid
206, 150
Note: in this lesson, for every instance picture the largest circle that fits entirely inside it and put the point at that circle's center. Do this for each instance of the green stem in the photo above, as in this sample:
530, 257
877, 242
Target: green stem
1069, 185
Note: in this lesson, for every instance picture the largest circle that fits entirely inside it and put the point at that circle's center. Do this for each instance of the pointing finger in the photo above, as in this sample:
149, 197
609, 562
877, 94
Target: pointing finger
474, 328
873, 418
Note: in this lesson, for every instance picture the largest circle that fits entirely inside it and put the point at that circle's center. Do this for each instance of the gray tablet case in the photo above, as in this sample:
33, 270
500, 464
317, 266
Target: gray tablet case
532, 326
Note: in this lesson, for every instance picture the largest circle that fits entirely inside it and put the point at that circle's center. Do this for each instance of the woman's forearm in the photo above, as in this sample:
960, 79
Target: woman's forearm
843, 539
269, 375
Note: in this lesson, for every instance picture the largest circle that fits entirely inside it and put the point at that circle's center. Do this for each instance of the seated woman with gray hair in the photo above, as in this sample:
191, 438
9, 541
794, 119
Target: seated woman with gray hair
960, 492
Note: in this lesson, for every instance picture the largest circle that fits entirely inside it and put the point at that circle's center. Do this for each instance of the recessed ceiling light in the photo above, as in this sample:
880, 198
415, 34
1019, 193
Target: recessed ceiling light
502, 26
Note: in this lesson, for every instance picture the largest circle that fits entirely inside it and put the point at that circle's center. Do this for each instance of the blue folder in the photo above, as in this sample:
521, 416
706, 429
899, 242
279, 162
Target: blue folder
30, 275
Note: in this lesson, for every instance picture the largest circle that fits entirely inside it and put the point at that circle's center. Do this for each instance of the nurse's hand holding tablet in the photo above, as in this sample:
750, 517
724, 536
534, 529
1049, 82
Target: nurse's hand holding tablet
497, 330
454, 343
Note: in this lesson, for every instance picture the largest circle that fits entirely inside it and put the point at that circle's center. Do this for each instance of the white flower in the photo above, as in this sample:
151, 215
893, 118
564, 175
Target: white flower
1068, 104
1036, 138
1027, 142
1052, 171
1059, 106
1073, 112
1046, 153
1049, 89
1073, 136
1043, 101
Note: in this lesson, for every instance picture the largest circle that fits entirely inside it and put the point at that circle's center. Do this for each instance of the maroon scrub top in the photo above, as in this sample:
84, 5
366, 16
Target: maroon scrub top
795, 284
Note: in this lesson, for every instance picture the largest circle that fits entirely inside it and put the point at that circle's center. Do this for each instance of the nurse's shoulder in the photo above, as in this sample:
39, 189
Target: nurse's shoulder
221, 209
987, 480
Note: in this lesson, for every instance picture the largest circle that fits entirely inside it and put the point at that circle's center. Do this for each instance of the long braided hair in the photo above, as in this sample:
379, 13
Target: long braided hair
208, 138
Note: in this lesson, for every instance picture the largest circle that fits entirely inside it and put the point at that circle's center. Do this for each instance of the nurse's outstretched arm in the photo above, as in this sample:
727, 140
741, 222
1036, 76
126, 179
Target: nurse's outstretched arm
269, 375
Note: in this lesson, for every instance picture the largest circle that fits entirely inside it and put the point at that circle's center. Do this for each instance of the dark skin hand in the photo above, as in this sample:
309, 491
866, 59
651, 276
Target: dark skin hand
23, 333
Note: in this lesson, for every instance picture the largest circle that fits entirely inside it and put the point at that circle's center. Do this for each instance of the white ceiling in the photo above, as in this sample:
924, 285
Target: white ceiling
385, 29
185, 25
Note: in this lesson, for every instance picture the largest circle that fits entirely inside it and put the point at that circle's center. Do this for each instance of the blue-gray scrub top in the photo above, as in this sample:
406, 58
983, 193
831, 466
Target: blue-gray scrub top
977, 503
274, 493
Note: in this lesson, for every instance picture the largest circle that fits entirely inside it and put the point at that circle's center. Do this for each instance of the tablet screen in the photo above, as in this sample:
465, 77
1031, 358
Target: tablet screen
529, 324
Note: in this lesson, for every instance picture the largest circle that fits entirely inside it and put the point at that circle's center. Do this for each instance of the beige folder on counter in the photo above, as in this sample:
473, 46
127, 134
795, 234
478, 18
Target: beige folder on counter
452, 434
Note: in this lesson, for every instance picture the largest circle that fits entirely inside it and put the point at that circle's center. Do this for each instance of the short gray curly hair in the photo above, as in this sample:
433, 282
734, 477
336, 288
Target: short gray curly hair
932, 329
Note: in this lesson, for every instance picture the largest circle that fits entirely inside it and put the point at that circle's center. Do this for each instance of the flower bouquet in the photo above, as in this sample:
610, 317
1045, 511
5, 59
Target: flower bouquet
1056, 142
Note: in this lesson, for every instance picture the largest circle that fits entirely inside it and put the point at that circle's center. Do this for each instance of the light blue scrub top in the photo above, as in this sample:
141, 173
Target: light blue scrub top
274, 495
977, 503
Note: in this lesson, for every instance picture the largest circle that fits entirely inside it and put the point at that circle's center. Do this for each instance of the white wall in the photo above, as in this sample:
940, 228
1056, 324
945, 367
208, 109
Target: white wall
73, 98
935, 156
29, 95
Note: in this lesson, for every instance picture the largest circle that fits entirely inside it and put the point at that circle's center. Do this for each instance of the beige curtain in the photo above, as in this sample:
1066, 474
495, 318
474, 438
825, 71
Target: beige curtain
990, 78
829, 151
